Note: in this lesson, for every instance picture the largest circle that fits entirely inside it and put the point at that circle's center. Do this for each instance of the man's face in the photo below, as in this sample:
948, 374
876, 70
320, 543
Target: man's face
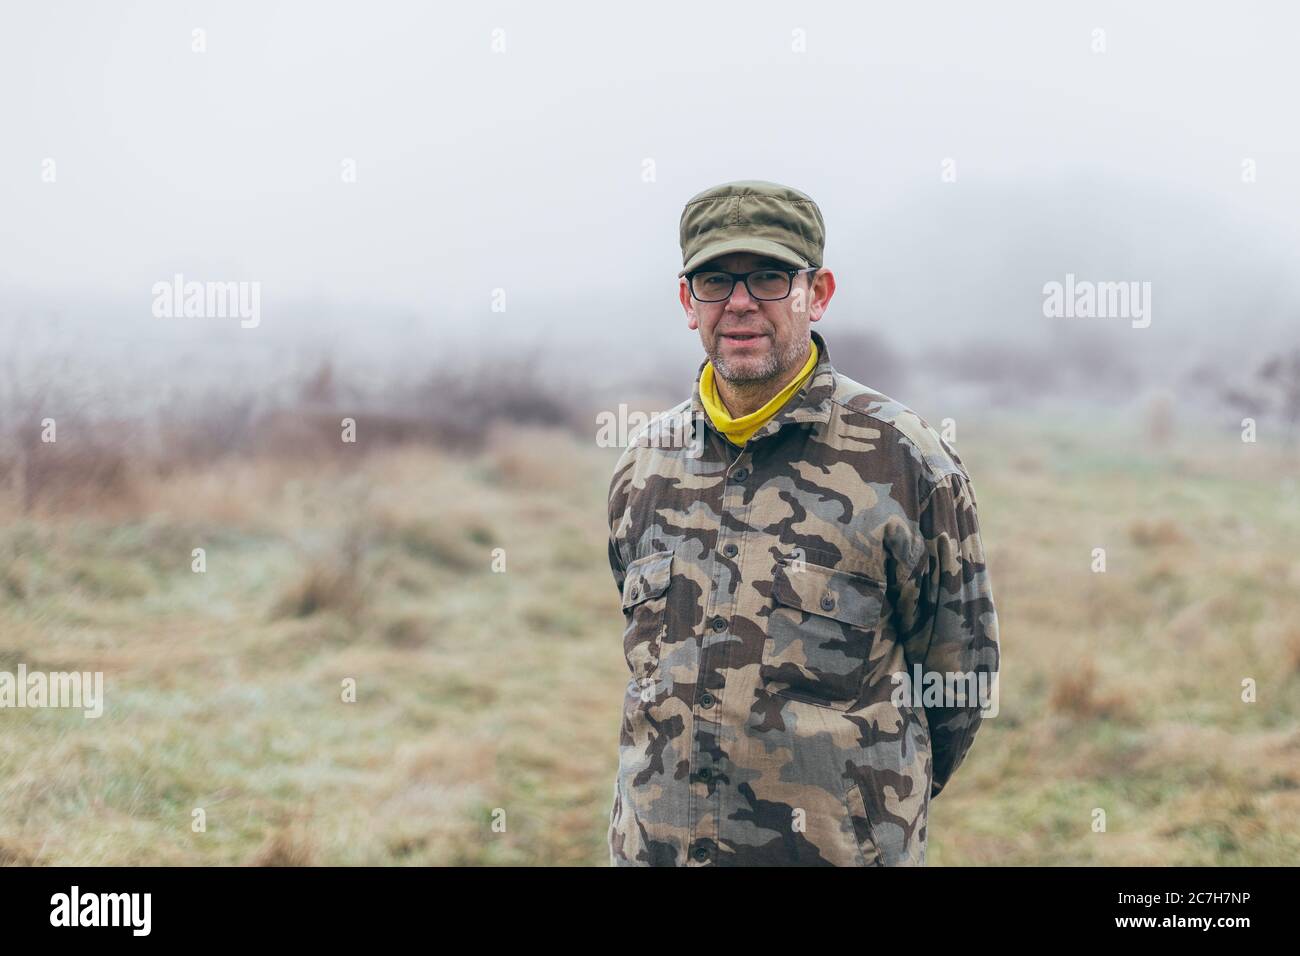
748, 340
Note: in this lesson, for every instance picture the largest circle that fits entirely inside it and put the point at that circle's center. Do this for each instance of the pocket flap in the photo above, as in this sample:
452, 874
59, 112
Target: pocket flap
646, 578
845, 596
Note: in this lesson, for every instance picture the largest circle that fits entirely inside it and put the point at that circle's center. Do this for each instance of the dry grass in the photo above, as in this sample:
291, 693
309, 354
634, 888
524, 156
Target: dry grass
332, 582
1291, 651
288, 845
1160, 533
480, 693
1077, 694
16, 856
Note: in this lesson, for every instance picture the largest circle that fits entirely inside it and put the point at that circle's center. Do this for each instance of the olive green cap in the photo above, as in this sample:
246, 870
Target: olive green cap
764, 218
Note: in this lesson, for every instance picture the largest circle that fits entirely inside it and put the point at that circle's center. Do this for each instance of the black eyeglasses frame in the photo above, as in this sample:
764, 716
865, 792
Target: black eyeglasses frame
739, 276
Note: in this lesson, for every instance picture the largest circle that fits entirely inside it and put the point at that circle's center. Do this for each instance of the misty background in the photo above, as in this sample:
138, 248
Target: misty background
506, 147
204, 532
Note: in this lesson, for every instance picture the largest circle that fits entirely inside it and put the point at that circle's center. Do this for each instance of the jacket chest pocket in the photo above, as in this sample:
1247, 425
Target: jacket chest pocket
819, 634
645, 605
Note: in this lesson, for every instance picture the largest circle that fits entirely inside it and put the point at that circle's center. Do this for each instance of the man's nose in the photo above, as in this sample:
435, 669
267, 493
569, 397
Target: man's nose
740, 298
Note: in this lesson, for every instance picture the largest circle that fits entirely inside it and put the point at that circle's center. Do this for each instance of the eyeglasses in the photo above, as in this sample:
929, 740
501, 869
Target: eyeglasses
766, 285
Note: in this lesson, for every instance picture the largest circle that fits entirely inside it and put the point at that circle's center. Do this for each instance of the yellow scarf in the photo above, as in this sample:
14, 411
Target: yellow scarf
739, 430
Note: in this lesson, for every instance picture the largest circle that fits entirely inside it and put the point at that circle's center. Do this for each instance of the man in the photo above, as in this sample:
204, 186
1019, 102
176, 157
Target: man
810, 552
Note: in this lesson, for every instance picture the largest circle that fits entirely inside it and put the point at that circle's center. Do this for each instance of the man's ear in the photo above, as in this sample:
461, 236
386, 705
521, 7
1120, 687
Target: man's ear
824, 281
684, 295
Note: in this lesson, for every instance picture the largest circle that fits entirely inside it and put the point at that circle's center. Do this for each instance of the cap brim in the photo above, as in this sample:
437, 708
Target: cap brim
759, 247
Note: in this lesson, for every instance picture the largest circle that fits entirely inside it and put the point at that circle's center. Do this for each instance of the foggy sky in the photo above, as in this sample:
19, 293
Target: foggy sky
523, 170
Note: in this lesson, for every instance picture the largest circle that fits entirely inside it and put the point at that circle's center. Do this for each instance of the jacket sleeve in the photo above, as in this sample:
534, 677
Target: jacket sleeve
616, 566
617, 503
952, 624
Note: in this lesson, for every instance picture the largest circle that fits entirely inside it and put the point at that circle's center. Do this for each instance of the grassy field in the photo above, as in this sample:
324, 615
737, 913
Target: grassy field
479, 691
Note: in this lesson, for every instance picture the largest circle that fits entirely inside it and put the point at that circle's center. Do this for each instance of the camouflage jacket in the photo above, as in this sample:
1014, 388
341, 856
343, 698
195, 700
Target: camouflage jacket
769, 594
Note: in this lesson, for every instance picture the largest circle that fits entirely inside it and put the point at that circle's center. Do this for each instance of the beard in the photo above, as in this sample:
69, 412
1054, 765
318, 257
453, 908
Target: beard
756, 371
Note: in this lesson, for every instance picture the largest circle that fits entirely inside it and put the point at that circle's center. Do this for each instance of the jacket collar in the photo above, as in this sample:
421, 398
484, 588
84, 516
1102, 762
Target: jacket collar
811, 404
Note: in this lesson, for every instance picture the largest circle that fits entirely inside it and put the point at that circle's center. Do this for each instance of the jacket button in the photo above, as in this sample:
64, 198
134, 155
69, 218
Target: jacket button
719, 623
741, 474
706, 774
701, 854
828, 602
706, 699
731, 550
635, 592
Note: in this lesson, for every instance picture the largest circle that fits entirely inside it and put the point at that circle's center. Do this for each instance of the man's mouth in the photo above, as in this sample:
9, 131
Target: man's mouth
743, 338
